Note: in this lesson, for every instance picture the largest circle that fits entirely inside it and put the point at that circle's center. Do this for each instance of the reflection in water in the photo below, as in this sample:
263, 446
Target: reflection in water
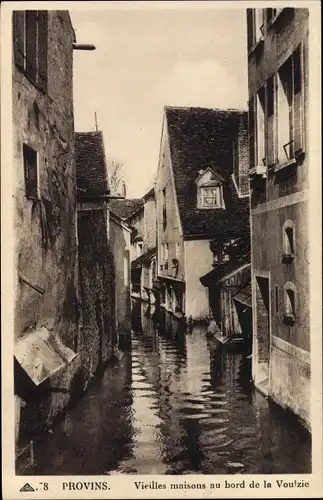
173, 406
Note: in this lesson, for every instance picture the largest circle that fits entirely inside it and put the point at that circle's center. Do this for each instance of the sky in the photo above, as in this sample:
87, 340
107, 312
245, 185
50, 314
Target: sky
149, 58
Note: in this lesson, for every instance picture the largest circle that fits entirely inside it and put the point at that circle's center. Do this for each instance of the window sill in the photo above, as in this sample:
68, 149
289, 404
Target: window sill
289, 319
210, 208
282, 166
287, 257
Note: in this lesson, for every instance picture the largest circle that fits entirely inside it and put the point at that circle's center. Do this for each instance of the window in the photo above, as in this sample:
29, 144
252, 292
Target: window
211, 197
166, 256
126, 268
30, 172
260, 123
289, 303
30, 38
255, 27
285, 112
162, 256
164, 212
288, 240
290, 119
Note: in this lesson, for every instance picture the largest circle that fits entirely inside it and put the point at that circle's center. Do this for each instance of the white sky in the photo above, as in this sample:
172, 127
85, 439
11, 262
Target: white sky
146, 59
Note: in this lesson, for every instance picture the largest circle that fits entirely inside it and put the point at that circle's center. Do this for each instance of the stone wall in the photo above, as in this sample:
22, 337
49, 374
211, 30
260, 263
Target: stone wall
97, 324
45, 227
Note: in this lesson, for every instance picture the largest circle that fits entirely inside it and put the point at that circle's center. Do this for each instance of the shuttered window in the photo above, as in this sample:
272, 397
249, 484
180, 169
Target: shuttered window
260, 124
251, 129
291, 123
298, 73
255, 27
30, 39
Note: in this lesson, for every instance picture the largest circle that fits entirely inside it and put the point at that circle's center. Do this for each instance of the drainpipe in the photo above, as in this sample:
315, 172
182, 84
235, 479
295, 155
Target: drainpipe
83, 46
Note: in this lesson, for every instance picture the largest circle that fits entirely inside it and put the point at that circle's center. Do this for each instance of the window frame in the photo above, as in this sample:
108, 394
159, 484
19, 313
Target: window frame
218, 197
255, 28
30, 192
296, 144
288, 242
30, 40
290, 303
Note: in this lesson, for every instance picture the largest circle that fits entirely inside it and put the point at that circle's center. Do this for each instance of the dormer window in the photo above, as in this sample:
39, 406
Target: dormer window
209, 190
211, 197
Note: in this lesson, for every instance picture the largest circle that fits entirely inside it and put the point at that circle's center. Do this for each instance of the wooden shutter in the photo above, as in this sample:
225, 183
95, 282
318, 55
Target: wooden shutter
250, 28
42, 48
251, 127
19, 37
298, 85
31, 44
271, 121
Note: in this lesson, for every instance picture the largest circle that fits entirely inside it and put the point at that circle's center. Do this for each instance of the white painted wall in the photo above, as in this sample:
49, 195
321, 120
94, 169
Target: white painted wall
198, 261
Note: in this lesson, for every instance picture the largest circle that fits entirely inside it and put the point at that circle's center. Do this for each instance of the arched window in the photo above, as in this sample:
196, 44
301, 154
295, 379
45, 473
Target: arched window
288, 240
289, 303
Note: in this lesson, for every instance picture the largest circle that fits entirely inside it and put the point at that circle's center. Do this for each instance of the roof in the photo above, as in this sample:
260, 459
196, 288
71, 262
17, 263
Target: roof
201, 138
125, 208
91, 169
224, 271
144, 258
150, 194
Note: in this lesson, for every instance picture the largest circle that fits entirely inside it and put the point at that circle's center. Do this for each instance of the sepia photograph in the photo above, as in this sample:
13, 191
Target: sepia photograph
161, 222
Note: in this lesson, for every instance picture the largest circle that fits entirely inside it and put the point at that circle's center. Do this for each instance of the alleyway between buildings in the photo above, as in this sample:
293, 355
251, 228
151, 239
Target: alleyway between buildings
172, 405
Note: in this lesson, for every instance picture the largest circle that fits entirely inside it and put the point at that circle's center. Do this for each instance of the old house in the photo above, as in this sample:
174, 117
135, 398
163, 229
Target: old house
279, 165
97, 336
196, 200
229, 283
140, 215
120, 245
46, 333
145, 264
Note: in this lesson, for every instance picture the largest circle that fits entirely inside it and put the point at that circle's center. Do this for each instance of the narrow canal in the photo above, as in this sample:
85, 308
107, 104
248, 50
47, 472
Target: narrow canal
173, 406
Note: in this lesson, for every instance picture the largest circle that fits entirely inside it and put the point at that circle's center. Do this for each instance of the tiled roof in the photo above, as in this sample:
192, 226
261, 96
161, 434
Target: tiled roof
125, 208
200, 138
91, 169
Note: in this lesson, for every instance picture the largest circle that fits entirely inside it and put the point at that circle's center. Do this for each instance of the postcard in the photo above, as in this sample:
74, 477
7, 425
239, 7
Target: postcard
161, 250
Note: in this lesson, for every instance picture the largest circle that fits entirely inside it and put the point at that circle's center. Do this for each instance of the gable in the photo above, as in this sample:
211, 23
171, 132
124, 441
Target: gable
209, 177
201, 139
